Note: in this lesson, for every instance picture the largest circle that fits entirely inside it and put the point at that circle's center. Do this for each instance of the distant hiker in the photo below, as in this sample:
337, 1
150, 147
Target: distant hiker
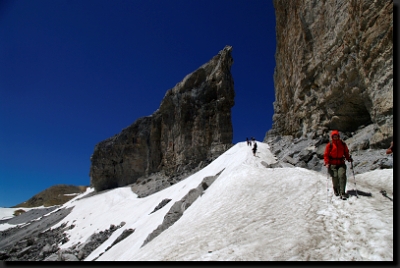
248, 142
390, 149
336, 152
254, 148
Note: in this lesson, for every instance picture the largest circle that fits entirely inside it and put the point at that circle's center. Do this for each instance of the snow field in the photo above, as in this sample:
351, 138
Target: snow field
249, 213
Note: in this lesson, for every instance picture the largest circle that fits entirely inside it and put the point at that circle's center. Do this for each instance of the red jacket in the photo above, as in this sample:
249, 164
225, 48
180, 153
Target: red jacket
336, 154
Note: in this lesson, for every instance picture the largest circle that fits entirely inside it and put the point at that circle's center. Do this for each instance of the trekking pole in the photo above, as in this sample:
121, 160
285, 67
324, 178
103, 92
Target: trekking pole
354, 176
327, 185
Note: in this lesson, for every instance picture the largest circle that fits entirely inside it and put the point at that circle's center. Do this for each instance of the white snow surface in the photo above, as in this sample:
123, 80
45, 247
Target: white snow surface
250, 213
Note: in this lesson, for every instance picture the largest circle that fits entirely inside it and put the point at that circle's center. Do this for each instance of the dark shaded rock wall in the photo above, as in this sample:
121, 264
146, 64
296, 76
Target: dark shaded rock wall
192, 124
334, 68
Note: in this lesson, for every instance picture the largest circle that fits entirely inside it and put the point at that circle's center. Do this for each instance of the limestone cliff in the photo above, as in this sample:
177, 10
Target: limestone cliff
334, 68
192, 125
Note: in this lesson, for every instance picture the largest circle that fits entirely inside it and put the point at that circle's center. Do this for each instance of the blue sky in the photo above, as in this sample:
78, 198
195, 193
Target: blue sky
73, 73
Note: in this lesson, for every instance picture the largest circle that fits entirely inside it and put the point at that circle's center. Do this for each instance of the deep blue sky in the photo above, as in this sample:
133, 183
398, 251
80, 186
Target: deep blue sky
73, 73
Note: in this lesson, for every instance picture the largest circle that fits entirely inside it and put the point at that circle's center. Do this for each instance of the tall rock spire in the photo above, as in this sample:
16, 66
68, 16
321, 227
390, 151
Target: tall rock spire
191, 127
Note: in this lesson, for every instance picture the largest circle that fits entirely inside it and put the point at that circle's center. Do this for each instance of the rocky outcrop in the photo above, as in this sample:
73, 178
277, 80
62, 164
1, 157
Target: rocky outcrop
35, 247
191, 127
179, 207
33, 240
334, 69
45, 246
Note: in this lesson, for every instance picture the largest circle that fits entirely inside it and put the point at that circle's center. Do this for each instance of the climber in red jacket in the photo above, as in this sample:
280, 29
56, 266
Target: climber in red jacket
336, 152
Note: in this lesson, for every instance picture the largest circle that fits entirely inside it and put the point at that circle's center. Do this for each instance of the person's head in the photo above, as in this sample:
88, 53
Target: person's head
335, 135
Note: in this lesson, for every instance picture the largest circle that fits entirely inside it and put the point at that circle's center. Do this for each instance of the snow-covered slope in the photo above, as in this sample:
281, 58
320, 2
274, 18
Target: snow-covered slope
249, 213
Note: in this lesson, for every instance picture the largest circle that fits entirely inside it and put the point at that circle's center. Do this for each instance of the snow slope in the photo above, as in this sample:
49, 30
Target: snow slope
249, 213
8, 213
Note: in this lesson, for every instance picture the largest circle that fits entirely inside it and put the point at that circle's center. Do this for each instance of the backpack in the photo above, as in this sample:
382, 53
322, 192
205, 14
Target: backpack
330, 144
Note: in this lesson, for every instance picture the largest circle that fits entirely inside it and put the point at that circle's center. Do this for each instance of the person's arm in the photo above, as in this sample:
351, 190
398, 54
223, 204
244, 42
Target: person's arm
326, 155
390, 149
347, 154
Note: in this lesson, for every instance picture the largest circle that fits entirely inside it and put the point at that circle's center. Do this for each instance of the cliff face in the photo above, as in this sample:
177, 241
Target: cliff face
334, 68
192, 124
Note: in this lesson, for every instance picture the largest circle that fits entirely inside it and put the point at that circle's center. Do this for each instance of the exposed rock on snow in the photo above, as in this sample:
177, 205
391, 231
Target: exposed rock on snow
34, 246
44, 246
32, 228
31, 214
179, 207
161, 205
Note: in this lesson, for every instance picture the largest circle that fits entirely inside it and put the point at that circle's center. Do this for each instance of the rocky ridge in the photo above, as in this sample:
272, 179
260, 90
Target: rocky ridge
190, 129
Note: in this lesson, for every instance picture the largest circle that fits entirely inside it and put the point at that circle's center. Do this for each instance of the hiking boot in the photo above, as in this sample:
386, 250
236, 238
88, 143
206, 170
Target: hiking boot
335, 192
343, 196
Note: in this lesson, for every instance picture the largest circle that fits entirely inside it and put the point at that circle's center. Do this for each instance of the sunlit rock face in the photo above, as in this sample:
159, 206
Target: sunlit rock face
191, 127
334, 68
